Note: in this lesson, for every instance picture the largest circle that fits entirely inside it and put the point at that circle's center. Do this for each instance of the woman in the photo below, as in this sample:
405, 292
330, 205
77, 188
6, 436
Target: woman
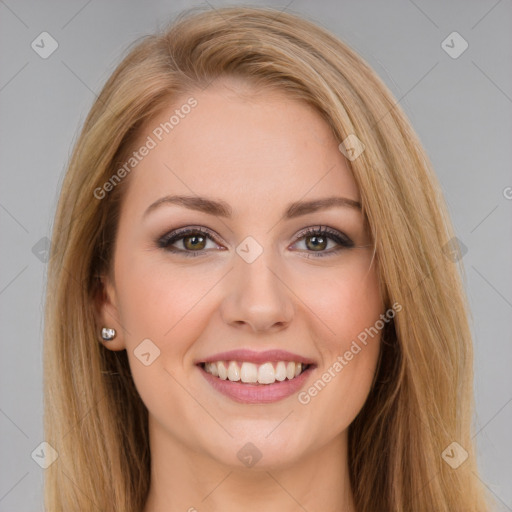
250, 303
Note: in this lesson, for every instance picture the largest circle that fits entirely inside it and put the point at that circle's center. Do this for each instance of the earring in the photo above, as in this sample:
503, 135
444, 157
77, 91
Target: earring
108, 333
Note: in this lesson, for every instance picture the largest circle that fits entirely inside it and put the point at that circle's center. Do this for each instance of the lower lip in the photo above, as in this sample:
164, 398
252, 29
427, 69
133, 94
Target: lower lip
257, 394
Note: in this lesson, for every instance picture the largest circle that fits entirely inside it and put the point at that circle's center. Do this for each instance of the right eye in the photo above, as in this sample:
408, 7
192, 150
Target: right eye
193, 241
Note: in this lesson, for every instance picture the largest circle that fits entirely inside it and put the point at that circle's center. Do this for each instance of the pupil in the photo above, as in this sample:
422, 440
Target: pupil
195, 238
317, 244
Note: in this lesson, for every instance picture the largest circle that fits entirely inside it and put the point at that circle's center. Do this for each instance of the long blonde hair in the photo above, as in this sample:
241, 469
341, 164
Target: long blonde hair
422, 397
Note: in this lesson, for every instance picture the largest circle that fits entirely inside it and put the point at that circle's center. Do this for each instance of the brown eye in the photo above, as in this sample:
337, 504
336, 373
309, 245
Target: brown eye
316, 242
188, 241
194, 242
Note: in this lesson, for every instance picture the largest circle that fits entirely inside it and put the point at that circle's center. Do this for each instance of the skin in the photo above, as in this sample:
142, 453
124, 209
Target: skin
257, 152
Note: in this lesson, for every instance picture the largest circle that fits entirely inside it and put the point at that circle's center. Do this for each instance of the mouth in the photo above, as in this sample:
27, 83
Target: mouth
246, 372
267, 377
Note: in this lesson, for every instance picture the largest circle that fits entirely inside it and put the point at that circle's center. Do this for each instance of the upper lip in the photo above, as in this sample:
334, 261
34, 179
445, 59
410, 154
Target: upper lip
252, 356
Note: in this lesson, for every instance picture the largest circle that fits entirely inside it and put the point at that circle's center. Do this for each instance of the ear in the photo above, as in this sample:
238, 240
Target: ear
107, 314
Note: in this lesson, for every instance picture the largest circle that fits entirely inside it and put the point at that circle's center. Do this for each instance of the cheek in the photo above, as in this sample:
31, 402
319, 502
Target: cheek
350, 308
168, 309
347, 302
158, 302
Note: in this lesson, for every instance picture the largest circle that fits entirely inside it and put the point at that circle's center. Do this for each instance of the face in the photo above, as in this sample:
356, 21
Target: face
195, 281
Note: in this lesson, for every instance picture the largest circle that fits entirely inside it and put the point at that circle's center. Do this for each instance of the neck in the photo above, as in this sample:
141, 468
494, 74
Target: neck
183, 479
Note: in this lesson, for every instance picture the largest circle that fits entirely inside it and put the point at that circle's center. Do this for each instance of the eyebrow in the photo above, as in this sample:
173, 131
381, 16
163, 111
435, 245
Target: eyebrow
223, 209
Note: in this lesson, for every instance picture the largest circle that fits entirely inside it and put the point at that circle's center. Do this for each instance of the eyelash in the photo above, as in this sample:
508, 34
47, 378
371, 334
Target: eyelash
323, 231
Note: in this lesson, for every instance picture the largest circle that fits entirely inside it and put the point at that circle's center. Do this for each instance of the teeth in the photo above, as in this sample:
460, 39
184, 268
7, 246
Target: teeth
233, 372
222, 370
266, 374
247, 372
212, 368
290, 370
280, 371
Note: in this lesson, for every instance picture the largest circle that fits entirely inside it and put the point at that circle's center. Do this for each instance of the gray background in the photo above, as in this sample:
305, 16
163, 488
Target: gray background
461, 109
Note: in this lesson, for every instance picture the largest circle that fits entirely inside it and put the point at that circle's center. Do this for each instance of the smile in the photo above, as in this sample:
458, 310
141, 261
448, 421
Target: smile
250, 377
251, 373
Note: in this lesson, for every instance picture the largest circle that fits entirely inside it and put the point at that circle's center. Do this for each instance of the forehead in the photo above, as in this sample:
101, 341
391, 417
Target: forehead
245, 146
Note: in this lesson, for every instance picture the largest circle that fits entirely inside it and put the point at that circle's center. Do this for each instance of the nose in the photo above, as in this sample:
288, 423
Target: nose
257, 296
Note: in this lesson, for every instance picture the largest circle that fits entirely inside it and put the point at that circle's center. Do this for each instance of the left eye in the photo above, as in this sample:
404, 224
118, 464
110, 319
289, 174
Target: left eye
317, 239
193, 241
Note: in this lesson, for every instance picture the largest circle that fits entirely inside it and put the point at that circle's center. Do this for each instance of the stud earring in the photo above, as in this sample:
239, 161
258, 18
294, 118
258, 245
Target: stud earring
108, 333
